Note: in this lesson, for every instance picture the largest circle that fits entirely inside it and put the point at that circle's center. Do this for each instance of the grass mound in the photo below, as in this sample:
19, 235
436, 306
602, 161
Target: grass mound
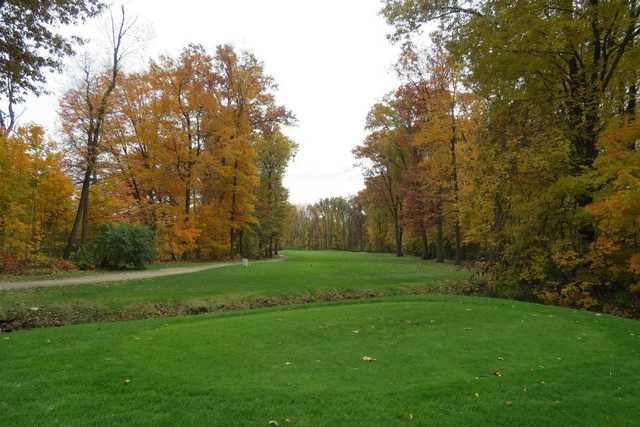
439, 360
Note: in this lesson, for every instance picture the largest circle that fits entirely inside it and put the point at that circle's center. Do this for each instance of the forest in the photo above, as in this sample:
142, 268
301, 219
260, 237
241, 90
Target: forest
511, 145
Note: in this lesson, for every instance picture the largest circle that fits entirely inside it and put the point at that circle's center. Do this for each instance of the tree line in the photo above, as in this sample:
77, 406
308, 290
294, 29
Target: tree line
331, 223
513, 142
190, 147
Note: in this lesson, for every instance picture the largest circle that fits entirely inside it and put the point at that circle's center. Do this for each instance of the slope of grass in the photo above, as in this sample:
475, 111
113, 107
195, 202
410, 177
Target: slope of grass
440, 360
303, 273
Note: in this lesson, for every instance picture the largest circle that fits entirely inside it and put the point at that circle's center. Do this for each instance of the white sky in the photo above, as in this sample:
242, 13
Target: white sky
330, 58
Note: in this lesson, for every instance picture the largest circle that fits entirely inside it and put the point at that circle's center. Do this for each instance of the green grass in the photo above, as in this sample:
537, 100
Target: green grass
302, 273
441, 360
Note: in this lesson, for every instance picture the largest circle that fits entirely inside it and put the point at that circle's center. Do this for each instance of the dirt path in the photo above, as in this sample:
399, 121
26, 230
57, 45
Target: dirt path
117, 277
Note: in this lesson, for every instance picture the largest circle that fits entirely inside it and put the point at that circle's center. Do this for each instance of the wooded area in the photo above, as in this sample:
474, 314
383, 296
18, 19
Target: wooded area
512, 143
190, 147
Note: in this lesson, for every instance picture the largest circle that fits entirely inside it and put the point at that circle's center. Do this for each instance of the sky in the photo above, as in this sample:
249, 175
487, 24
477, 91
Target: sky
331, 59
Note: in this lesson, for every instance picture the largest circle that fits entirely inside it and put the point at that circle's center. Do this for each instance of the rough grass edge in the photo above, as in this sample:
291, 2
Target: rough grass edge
23, 317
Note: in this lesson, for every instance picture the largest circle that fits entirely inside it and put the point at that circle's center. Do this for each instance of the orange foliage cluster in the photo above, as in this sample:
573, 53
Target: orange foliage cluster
178, 149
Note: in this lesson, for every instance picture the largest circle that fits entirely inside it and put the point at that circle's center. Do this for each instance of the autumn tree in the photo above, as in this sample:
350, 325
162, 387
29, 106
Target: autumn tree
83, 112
248, 108
35, 195
555, 88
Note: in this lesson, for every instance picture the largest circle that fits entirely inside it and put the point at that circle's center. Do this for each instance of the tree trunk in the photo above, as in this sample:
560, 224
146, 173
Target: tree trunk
84, 194
84, 234
425, 243
631, 104
398, 230
440, 239
454, 177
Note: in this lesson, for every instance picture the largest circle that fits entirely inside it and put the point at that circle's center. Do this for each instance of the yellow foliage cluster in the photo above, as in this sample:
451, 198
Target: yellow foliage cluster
35, 195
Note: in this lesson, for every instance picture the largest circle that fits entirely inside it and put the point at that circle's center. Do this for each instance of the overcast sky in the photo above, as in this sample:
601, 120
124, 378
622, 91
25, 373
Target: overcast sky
330, 58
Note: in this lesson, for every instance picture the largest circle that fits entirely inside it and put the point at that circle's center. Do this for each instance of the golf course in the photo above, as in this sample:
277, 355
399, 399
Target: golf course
390, 354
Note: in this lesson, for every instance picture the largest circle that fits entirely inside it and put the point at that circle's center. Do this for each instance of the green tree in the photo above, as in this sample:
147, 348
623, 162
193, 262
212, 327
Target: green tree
31, 46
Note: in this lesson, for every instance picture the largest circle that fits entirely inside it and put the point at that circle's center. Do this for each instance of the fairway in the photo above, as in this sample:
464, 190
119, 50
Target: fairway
302, 277
440, 360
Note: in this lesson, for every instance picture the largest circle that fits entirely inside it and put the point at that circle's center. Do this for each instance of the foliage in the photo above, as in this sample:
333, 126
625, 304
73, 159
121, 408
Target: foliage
31, 46
188, 142
538, 103
274, 151
123, 245
35, 195
334, 223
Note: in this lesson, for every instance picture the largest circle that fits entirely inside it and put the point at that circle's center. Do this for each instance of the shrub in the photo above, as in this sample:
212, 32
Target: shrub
84, 257
10, 264
63, 265
123, 245
40, 262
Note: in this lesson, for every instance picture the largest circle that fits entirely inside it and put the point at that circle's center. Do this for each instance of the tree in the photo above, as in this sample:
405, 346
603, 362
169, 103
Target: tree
576, 58
274, 152
31, 46
248, 108
546, 114
35, 195
84, 110
385, 156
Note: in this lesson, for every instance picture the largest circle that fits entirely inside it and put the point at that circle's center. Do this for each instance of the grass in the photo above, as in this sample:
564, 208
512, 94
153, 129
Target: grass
440, 360
302, 274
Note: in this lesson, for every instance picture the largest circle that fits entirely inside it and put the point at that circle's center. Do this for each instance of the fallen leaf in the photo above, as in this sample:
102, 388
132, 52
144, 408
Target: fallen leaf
127, 381
356, 331
500, 358
368, 359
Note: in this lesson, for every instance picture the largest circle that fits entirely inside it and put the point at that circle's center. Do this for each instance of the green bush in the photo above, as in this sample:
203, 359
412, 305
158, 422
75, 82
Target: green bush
84, 257
123, 245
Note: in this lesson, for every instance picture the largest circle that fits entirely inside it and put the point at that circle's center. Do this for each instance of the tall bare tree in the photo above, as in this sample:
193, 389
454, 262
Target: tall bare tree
88, 106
